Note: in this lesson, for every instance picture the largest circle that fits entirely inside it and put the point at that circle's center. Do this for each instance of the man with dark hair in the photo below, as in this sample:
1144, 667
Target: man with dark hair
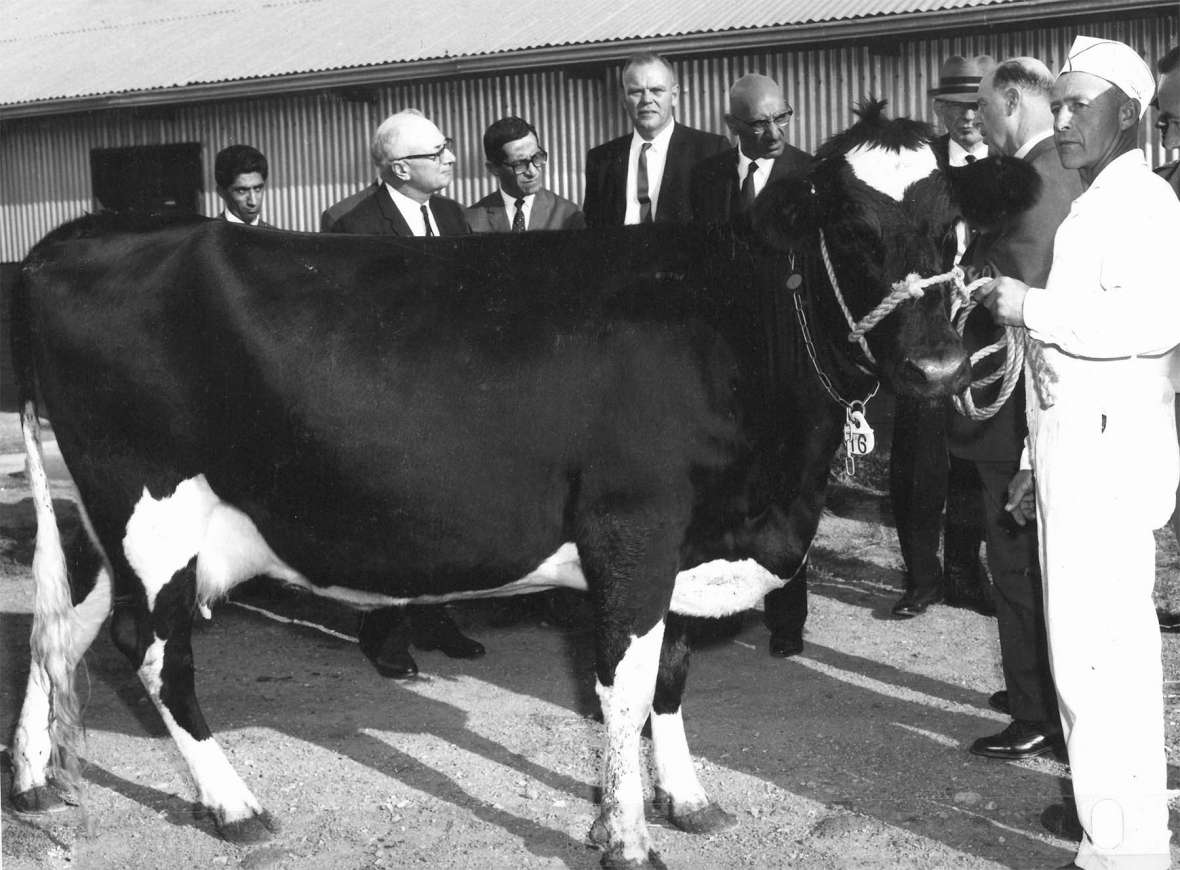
1017, 121
1167, 121
722, 189
240, 172
643, 176
517, 161
1102, 334
414, 163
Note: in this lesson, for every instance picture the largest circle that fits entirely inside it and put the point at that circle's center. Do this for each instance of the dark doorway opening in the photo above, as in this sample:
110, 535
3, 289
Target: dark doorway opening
148, 178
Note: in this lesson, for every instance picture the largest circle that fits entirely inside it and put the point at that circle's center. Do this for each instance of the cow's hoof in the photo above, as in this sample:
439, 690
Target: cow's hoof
255, 829
613, 859
39, 801
709, 819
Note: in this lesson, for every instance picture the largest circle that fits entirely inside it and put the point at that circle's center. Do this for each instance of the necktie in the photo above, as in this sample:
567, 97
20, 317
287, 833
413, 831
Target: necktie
641, 185
748, 194
518, 218
426, 220
970, 158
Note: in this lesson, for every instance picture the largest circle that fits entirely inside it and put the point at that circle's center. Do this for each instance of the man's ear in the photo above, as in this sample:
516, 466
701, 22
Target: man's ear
991, 192
785, 212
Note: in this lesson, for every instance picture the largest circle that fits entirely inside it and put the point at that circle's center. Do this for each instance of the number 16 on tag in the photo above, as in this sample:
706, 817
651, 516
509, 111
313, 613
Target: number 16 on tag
859, 439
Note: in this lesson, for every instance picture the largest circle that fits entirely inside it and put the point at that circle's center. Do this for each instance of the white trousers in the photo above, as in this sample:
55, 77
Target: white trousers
1101, 489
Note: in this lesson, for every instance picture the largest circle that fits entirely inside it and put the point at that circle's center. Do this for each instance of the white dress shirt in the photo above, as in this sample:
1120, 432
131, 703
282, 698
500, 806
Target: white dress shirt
234, 219
510, 207
761, 174
957, 154
657, 156
411, 210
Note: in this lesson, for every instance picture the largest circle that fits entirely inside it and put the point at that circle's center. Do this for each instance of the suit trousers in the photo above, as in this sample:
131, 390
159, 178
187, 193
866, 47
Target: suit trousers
1013, 557
1095, 517
921, 473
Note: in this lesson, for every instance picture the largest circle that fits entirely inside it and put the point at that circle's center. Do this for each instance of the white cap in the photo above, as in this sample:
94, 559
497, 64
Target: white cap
1116, 62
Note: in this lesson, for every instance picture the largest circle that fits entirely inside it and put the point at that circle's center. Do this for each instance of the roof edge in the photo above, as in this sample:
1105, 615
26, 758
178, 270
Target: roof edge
580, 55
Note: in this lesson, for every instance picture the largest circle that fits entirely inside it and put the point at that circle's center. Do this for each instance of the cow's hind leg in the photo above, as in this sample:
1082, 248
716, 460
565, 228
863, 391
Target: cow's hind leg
158, 640
629, 560
679, 793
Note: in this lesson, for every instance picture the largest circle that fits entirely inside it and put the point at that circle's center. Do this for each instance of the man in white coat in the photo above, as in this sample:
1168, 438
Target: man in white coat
1103, 447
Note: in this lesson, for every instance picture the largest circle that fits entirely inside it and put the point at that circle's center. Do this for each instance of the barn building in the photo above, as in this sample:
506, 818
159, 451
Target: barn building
128, 102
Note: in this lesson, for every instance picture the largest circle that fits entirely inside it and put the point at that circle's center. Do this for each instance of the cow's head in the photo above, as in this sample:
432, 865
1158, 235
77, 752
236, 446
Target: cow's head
878, 200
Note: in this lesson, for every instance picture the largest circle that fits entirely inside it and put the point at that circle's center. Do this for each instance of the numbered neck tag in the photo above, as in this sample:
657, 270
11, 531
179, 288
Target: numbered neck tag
859, 439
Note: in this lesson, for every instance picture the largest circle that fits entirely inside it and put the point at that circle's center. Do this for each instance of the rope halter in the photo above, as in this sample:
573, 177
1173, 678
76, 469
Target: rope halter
914, 286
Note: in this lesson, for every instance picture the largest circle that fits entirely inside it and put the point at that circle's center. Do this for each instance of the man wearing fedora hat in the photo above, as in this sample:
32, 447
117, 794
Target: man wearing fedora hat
923, 478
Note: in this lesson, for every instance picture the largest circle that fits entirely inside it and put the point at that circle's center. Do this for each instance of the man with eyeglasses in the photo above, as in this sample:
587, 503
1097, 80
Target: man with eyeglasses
725, 185
923, 477
517, 161
415, 162
722, 188
643, 176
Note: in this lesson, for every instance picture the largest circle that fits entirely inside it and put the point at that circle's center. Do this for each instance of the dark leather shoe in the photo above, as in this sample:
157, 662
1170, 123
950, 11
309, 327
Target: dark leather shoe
384, 638
915, 601
999, 702
1019, 740
785, 644
433, 628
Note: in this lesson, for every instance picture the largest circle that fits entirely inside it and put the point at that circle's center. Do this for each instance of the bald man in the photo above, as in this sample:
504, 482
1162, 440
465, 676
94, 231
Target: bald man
725, 186
1013, 107
722, 189
415, 163
1102, 440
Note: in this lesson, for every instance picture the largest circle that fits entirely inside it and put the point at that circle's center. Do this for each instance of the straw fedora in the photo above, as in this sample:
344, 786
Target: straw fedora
958, 80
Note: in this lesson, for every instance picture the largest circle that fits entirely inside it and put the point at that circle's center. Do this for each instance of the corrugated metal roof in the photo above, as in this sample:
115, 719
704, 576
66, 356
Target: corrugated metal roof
63, 49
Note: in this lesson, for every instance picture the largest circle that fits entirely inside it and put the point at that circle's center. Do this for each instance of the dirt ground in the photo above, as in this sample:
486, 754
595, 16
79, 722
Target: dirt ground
852, 755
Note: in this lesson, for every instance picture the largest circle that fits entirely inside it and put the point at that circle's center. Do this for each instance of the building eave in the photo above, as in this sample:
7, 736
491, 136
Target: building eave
589, 54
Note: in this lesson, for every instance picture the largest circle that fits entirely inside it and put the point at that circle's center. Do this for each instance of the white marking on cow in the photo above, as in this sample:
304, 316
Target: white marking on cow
625, 706
720, 587
889, 171
32, 743
218, 785
673, 762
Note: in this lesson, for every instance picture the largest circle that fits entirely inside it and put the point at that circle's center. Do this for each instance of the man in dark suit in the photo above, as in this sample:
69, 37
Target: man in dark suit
1014, 103
414, 162
725, 185
240, 172
722, 189
644, 175
923, 478
1167, 120
517, 161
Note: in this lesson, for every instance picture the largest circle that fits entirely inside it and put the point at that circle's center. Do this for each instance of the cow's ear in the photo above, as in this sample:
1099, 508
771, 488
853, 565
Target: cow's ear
991, 192
784, 212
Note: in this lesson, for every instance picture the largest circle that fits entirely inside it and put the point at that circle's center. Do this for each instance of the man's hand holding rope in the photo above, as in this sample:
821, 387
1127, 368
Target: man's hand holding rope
1004, 298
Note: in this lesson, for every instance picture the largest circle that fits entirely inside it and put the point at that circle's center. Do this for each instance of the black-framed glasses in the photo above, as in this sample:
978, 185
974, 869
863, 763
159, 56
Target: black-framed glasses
520, 167
1165, 124
436, 156
761, 126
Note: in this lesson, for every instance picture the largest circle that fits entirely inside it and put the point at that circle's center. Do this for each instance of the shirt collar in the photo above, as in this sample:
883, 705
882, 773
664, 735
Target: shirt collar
1116, 173
744, 162
958, 154
659, 142
510, 201
1033, 142
234, 219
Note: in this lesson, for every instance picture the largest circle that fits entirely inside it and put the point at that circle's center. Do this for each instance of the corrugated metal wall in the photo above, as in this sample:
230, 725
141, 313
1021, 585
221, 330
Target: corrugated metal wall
318, 143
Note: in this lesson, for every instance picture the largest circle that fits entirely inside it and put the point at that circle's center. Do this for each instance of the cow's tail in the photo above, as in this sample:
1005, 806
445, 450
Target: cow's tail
52, 645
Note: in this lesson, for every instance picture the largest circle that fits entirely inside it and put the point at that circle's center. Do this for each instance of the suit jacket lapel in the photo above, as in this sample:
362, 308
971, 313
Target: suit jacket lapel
391, 213
618, 176
498, 217
542, 208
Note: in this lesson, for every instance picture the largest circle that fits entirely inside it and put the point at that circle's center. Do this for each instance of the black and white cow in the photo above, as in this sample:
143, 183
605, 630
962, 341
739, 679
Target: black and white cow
383, 421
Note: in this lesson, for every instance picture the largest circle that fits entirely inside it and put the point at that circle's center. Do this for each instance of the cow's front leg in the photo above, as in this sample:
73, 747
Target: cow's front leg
161, 648
679, 793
